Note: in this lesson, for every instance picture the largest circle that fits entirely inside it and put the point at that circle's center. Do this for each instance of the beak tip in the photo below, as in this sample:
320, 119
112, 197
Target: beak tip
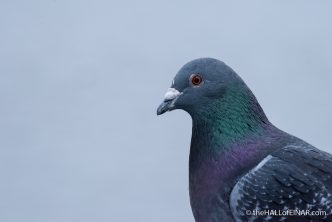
160, 112
163, 108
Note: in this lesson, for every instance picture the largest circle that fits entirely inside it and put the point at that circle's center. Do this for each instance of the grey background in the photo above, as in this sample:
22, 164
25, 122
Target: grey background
80, 82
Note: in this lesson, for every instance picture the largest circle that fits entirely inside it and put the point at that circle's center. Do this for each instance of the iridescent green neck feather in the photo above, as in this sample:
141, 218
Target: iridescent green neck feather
228, 119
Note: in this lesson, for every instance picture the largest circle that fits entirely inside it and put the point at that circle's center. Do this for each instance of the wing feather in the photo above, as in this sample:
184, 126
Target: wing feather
292, 178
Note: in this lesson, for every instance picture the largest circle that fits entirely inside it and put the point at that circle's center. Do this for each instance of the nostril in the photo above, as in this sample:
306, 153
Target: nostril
171, 94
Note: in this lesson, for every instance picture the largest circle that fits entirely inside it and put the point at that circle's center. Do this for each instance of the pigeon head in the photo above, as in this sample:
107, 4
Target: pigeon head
196, 83
208, 83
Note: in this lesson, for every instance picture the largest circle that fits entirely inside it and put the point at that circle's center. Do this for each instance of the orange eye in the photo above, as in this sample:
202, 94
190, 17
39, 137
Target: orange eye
196, 79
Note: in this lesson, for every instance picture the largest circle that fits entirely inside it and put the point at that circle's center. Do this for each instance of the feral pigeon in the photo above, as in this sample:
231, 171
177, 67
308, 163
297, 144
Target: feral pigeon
242, 167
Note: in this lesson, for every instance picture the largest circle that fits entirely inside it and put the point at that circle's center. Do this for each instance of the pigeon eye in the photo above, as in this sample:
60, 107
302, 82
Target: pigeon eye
196, 79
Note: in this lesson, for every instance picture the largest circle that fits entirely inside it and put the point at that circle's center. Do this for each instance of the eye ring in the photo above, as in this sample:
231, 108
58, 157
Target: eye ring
196, 79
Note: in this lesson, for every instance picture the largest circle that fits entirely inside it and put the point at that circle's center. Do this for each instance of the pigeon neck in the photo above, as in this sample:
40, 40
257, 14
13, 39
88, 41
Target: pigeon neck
229, 119
228, 135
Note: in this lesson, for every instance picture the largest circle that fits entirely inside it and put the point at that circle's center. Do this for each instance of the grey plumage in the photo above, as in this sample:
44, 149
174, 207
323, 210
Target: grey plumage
291, 180
242, 167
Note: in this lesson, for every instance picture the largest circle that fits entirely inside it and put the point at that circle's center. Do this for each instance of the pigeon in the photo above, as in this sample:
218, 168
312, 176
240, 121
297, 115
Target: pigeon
241, 166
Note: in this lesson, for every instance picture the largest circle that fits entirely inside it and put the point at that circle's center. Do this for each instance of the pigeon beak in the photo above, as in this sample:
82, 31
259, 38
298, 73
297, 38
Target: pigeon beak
168, 104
